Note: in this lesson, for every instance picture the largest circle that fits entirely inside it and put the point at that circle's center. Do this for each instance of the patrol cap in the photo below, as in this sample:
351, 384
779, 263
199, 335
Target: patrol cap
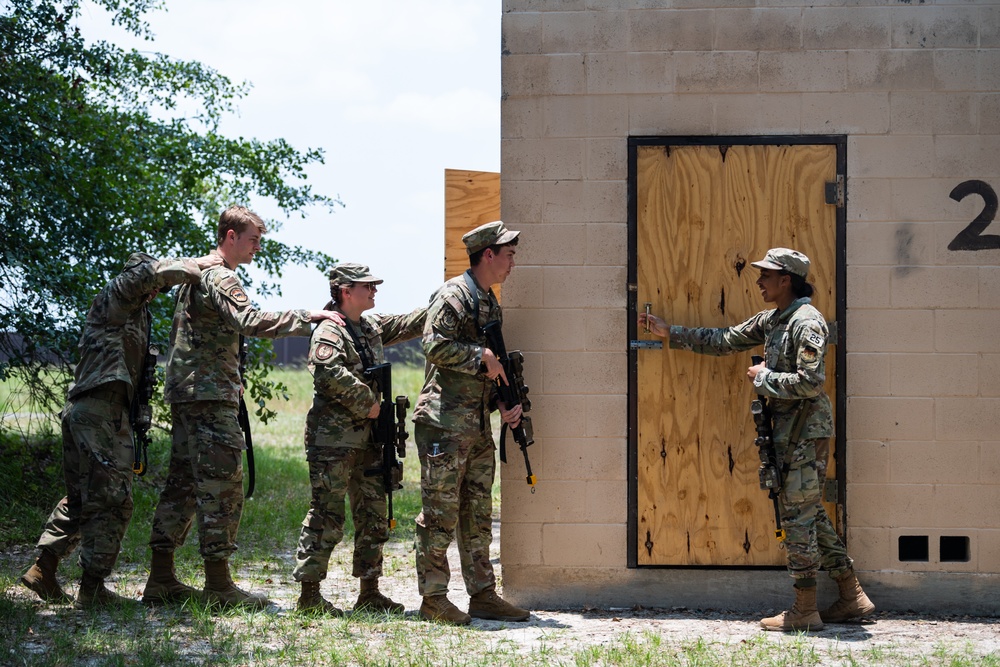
784, 259
483, 236
347, 273
137, 259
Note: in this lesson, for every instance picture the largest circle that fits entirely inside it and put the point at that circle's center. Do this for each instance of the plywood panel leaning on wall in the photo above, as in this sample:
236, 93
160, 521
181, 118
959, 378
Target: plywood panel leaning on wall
472, 198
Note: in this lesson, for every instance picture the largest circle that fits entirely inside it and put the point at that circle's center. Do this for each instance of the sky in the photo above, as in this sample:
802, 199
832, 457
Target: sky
394, 92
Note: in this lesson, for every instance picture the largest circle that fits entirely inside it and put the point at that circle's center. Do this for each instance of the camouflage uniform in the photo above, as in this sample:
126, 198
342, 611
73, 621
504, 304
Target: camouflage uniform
203, 388
339, 447
97, 435
794, 350
455, 441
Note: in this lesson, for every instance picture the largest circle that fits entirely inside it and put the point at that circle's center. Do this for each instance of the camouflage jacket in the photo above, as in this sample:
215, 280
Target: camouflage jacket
795, 370
457, 397
203, 362
113, 344
343, 395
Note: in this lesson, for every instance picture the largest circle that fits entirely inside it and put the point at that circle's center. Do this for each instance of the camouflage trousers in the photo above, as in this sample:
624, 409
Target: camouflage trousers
810, 539
205, 480
333, 480
97, 466
455, 488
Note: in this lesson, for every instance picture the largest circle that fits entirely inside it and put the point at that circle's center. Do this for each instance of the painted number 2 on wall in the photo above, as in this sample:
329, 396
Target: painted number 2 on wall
972, 237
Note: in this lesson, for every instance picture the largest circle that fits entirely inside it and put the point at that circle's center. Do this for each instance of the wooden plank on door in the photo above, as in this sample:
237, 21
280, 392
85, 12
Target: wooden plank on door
704, 212
472, 198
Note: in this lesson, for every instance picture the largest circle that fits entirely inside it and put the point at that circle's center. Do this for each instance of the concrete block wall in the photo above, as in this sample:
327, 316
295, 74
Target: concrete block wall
916, 89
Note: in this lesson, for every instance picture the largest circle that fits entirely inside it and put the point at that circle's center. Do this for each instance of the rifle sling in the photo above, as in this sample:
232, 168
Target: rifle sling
248, 438
366, 360
139, 454
247, 435
470, 282
362, 350
797, 426
504, 427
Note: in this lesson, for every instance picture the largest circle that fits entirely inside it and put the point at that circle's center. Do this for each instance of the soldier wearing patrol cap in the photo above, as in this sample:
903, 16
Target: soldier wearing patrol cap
453, 435
794, 335
97, 432
203, 387
338, 439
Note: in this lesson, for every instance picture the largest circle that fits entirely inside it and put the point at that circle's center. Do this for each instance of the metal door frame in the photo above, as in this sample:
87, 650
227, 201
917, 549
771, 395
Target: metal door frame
840, 239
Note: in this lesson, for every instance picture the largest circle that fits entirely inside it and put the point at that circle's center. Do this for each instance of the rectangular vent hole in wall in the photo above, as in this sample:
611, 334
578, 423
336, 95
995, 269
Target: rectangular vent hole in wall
955, 549
914, 548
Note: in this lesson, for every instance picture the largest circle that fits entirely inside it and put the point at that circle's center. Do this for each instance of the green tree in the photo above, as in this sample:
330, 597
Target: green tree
108, 151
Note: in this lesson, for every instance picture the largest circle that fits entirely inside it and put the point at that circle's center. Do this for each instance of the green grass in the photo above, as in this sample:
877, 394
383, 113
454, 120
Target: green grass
32, 633
30, 463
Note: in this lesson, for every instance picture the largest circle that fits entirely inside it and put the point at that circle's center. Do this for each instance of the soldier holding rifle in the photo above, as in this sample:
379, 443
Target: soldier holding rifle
453, 433
97, 426
791, 377
350, 378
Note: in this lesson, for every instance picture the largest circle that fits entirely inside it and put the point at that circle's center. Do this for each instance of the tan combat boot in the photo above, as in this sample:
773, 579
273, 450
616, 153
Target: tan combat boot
853, 603
41, 578
162, 586
439, 608
313, 602
490, 606
94, 595
220, 589
802, 616
370, 599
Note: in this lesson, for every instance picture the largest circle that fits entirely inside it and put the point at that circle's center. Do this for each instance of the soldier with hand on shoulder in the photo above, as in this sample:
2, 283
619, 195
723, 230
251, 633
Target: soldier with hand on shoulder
98, 446
339, 443
203, 387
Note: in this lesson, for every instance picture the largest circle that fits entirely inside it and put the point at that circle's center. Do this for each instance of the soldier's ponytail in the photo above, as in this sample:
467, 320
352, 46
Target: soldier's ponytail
800, 287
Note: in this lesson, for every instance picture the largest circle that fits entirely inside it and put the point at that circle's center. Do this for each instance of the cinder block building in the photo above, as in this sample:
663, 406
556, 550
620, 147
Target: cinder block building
650, 150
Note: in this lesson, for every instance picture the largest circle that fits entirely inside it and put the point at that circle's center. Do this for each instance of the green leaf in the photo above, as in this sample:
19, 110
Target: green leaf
99, 162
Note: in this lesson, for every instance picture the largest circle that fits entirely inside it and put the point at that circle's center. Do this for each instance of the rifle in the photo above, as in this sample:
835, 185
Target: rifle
514, 393
769, 472
389, 431
140, 413
244, 418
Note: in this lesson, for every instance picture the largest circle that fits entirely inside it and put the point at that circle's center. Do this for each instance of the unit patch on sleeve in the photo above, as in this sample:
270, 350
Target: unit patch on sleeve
324, 351
815, 339
230, 286
809, 354
447, 320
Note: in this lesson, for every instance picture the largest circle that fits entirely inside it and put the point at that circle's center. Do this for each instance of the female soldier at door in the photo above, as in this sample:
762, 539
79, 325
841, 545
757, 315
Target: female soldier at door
794, 336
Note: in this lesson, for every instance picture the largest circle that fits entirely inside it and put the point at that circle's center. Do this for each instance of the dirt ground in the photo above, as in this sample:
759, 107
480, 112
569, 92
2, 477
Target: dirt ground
897, 637
896, 634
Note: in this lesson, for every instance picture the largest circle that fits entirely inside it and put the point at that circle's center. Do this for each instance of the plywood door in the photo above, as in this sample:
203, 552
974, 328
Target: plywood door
703, 214
471, 198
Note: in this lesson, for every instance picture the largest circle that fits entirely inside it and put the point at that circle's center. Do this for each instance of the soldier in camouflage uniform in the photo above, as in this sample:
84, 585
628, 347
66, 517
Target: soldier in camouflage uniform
203, 387
794, 336
338, 439
97, 433
453, 434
